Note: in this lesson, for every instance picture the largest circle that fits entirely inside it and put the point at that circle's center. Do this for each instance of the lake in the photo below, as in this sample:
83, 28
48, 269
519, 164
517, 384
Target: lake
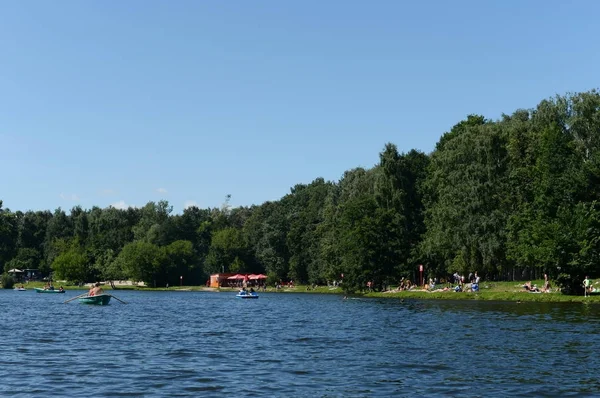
294, 345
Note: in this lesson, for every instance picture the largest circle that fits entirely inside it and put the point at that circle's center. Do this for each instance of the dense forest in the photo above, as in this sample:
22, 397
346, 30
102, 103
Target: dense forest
512, 199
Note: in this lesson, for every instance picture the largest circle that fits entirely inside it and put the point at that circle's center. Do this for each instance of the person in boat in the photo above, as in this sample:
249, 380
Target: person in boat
243, 292
61, 289
96, 290
251, 290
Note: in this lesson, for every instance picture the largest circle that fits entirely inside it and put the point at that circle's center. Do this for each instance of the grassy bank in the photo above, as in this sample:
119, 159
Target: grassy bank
496, 291
493, 291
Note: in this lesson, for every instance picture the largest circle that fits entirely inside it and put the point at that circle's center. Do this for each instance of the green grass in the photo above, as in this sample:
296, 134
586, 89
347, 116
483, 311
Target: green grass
492, 291
41, 284
66, 286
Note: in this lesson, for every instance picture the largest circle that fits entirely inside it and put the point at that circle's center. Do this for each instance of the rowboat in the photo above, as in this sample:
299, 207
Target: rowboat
40, 290
247, 295
101, 299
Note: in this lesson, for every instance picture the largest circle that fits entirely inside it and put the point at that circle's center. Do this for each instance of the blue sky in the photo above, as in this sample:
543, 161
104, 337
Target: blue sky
123, 102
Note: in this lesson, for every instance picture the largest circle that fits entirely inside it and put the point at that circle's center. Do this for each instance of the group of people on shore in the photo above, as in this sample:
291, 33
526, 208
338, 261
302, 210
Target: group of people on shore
456, 283
534, 289
461, 281
469, 284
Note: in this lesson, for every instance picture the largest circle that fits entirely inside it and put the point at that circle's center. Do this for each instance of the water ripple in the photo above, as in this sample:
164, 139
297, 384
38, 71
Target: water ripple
283, 345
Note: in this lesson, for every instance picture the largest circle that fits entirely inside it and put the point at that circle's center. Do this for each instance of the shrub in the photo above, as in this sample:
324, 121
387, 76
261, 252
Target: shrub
8, 282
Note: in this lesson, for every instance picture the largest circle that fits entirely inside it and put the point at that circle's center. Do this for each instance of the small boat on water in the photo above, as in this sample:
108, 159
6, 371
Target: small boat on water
101, 299
42, 290
247, 295
20, 289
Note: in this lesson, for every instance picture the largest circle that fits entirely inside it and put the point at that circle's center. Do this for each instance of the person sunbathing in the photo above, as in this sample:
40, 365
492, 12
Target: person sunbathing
531, 288
534, 289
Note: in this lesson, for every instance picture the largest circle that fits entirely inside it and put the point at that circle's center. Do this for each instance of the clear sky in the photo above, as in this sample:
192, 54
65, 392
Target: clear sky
124, 102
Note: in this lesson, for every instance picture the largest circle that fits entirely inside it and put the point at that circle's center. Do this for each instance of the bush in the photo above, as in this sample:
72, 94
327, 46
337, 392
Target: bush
8, 282
570, 284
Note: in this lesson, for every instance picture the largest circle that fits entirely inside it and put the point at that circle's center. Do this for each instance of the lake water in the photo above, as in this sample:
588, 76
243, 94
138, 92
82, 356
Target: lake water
294, 345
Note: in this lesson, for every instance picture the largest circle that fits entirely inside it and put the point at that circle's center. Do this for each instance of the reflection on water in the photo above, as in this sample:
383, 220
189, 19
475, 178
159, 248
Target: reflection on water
300, 345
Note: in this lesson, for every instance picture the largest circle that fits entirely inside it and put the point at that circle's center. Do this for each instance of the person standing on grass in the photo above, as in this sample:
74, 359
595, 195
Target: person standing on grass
587, 284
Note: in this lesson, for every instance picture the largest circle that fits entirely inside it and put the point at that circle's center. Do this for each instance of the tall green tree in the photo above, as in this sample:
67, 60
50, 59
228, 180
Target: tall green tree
306, 204
8, 235
60, 228
466, 202
155, 225
227, 251
72, 264
143, 261
265, 231
398, 190
368, 241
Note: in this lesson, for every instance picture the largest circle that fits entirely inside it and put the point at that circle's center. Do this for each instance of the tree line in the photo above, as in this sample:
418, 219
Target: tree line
512, 198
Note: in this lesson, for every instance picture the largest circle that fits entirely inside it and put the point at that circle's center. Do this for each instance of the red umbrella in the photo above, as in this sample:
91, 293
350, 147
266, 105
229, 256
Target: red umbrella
259, 276
236, 276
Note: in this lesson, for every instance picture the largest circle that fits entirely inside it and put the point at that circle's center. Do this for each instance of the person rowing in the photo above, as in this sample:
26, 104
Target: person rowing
95, 290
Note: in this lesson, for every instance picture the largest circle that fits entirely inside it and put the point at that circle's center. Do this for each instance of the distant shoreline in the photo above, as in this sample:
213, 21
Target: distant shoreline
492, 291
